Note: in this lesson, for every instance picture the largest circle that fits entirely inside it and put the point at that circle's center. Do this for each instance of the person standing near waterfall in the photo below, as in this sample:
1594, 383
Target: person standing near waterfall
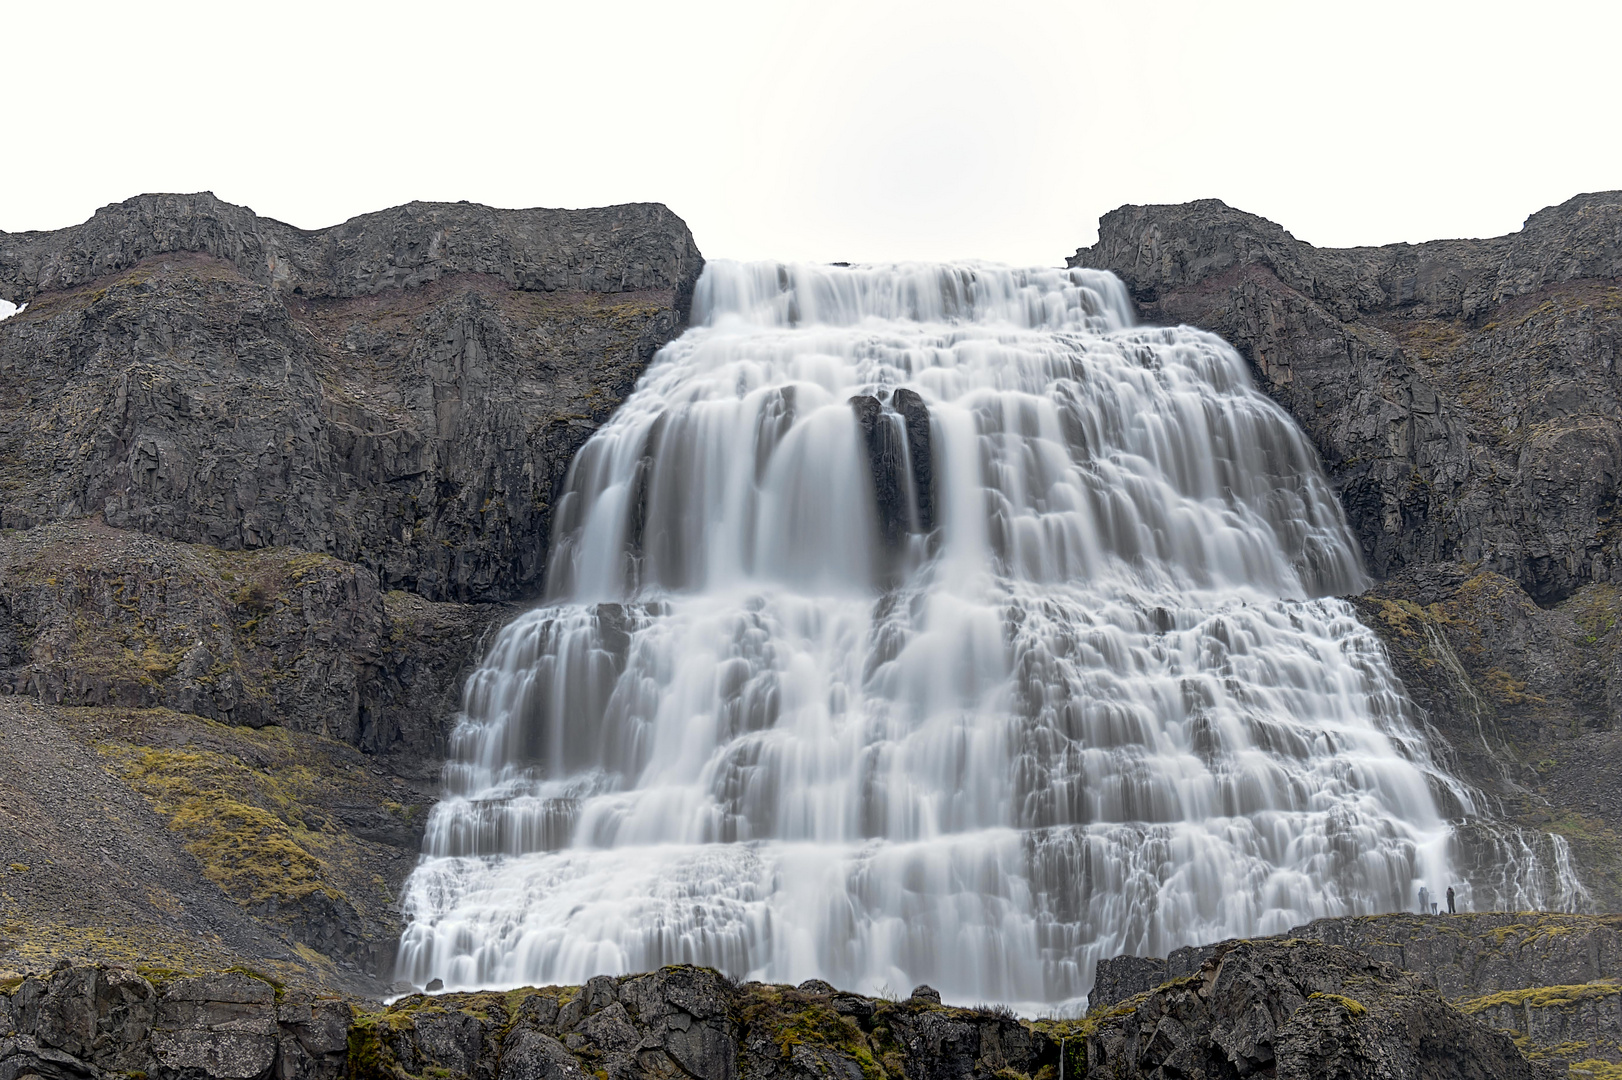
1424, 900
1450, 910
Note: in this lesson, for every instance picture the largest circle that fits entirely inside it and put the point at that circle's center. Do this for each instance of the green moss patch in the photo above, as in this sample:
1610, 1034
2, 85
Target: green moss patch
1543, 997
1354, 1008
218, 804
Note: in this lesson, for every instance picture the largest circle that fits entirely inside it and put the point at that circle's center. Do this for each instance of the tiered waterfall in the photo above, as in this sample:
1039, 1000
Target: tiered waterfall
934, 624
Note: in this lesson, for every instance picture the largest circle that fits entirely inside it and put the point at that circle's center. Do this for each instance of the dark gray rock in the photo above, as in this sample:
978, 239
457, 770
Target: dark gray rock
88, 1022
886, 459
1296, 1010
449, 1039
530, 1055
920, 453
1289, 1008
404, 392
610, 1030
1121, 977
278, 637
608, 249
897, 442
1545, 978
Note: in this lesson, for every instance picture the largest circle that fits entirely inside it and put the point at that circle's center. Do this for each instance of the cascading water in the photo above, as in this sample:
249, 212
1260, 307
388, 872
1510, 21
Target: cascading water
932, 624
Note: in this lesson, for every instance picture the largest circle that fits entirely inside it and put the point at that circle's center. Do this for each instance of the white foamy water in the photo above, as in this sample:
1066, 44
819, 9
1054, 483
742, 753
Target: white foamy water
936, 624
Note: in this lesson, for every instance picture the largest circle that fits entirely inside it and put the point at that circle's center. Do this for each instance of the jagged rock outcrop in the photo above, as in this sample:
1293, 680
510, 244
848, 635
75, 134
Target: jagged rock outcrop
1295, 1009
404, 391
611, 249
1464, 956
93, 1022
1289, 1009
1464, 394
1547, 981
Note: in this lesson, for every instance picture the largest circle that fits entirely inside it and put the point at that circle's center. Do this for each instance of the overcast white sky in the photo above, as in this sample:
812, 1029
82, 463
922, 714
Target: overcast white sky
823, 129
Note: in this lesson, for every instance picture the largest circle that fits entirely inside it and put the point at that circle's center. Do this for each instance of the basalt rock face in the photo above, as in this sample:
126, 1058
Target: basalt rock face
104, 617
613, 249
92, 1022
1464, 394
1297, 1010
404, 391
1290, 1009
1546, 981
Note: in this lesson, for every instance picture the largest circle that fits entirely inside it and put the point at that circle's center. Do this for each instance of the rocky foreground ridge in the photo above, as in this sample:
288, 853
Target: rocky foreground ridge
1319, 1003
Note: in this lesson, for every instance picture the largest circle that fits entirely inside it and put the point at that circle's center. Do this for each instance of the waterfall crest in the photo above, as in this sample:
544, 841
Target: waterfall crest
932, 623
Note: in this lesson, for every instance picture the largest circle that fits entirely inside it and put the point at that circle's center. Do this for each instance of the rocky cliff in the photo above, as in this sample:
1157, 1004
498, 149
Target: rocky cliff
1464, 394
404, 391
1466, 401
263, 493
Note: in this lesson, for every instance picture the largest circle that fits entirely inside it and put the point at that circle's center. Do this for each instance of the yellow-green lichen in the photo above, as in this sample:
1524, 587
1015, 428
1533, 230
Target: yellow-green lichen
1354, 1008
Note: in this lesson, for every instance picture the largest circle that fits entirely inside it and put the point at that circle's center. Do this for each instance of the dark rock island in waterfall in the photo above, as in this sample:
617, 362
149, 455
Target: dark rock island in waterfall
264, 491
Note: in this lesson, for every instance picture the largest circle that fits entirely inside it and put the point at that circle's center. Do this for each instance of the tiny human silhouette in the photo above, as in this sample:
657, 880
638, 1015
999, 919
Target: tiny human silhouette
1450, 909
1424, 900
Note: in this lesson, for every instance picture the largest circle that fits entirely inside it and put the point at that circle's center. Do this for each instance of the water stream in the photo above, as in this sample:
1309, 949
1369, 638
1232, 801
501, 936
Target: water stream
936, 623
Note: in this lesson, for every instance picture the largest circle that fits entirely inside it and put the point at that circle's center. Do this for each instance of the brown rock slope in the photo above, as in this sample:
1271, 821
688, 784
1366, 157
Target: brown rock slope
148, 837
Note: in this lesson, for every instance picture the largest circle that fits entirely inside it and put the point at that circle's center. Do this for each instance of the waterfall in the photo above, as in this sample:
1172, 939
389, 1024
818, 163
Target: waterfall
934, 623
